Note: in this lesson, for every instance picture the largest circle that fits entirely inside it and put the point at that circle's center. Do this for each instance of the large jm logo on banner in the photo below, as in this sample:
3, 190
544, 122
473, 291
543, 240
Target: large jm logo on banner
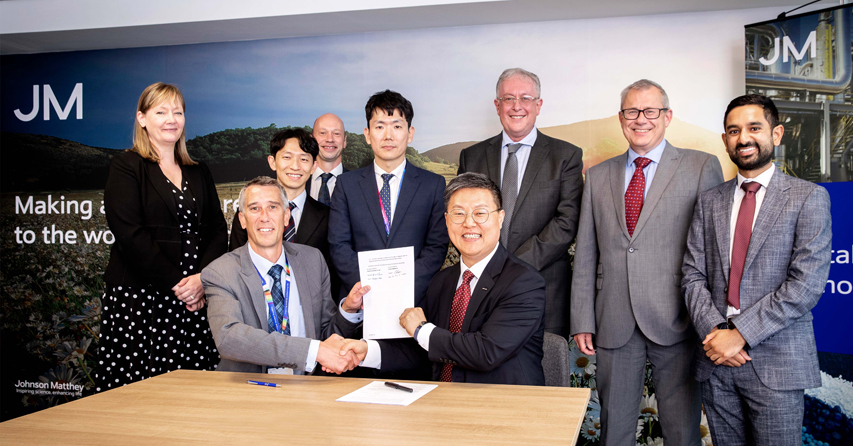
788, 47
50, 99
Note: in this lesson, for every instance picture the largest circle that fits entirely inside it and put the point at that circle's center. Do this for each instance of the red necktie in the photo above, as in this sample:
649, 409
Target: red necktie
743, 232
457, 315
634, 194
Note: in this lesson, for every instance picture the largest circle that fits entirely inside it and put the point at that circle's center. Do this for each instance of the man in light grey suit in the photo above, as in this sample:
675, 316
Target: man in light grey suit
269, 300
541, 183
757, 261
635, 214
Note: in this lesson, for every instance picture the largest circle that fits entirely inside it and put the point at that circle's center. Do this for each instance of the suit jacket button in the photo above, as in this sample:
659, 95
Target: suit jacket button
630, 249
726, 290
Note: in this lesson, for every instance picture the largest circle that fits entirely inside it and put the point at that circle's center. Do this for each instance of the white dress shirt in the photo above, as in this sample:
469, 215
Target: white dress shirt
317, 182
394, 184
522, 154
764, 180
373, 359
296, 212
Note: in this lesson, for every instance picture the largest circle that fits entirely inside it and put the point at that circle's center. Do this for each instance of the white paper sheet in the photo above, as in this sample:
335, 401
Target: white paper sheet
391, 276
378, 393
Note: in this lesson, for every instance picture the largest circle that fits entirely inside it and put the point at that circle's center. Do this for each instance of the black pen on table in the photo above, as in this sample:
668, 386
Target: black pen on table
399, 387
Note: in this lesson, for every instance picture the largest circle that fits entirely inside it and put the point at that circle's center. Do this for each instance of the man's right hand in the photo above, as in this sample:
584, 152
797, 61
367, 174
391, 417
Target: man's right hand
329, 356
584, 343
354, 346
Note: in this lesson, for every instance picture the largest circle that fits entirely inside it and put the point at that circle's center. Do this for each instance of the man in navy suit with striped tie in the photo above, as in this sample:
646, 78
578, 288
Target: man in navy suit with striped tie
390, 203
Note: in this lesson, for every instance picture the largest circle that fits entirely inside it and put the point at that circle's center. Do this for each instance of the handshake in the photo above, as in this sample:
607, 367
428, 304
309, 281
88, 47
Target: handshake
338, 354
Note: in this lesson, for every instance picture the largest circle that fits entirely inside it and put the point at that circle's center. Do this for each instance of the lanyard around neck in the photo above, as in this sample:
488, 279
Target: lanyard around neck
382, 206
279, 325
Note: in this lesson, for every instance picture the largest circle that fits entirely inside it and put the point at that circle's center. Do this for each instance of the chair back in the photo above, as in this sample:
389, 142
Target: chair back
555, 361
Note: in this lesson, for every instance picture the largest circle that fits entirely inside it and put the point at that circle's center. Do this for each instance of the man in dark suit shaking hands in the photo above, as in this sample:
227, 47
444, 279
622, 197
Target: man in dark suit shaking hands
483, 319
293, 154
757, 260
541, 185
390, 203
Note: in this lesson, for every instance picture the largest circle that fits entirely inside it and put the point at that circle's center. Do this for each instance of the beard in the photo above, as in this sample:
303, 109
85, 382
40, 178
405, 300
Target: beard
765, 154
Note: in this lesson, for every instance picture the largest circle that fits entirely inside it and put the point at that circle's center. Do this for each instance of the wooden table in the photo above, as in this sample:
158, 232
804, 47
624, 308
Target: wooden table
221, 408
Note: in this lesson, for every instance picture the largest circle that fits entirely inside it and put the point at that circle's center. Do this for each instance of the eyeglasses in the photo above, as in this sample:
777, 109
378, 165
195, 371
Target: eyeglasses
479, 215
649, 113
525, 100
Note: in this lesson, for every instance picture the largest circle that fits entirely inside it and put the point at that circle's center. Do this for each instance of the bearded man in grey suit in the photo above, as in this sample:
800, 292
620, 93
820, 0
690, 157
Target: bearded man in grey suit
635, 214
757, 261
269, 302
541, 182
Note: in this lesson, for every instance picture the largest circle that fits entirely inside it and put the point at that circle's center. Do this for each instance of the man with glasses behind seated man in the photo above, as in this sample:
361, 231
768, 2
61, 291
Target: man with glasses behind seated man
626, 290
483, 319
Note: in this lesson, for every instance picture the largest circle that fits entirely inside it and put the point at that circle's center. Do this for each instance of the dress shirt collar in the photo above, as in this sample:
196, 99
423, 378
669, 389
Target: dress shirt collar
654, 154
477, 268
300, 200
339, 169
398, 172
763, 178
263, 265
528, 140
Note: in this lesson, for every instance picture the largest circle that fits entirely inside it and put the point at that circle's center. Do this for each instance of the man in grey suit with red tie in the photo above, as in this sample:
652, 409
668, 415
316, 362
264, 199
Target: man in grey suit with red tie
757, 261
541, 182
635, 215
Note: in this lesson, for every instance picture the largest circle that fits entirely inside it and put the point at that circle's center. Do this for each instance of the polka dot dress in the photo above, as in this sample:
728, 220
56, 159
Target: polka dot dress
147, 331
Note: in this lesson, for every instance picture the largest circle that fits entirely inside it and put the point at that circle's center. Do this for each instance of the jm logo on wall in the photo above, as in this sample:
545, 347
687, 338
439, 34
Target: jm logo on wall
788, 47
49, 98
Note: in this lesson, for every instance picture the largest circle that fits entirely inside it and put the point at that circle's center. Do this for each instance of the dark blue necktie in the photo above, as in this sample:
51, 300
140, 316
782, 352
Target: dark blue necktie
277, 298
385, 195
290, 229
324, 196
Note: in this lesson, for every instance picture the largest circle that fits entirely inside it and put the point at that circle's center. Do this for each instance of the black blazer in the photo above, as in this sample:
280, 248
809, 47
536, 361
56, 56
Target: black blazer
545, 219
142, 216
501, 337
313, 231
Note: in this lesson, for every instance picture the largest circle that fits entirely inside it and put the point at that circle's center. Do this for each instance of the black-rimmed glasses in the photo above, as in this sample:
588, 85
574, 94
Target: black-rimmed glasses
649, 113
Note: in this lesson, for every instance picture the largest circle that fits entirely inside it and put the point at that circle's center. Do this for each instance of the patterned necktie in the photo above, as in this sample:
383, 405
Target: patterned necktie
634, 194
457, 315
385, 196
290, 229
323, 196
277, 298
509, 188
743, 232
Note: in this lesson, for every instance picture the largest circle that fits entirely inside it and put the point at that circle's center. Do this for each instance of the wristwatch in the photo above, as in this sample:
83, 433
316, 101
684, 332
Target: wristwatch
419, 329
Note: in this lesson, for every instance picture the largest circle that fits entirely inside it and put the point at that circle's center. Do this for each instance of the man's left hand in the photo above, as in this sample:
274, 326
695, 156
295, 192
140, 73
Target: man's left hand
722, 345
411, 318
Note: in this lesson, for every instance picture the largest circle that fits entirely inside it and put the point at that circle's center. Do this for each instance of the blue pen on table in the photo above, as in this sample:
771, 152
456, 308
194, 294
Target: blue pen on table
399, 387
261, 383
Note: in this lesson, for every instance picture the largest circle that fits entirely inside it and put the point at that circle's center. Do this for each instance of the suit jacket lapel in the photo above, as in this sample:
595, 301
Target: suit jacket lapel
408, 191
252, 280
538, 154
484, 286
617, 188
306, 288
309, 222
493, 159
775, 198
722, 209
445, 298
371, 198
663, 175
158, 180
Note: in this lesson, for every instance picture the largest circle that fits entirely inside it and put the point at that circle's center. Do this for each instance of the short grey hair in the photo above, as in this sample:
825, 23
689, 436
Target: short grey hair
260, 181
472, 180
644, 84
510, 72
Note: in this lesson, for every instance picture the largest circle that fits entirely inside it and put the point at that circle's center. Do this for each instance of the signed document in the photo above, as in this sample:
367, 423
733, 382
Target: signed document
378, 393
391, 276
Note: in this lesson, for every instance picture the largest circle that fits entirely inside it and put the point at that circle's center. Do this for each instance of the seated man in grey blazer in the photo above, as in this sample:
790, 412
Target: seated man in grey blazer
269, 301
757, 261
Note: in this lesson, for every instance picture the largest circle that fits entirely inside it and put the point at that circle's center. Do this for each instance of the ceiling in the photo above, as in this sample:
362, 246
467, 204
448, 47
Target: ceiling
35, 26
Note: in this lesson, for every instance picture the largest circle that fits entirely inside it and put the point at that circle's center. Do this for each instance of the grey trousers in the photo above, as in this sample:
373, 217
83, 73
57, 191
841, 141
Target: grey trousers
741, 410
621, 372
